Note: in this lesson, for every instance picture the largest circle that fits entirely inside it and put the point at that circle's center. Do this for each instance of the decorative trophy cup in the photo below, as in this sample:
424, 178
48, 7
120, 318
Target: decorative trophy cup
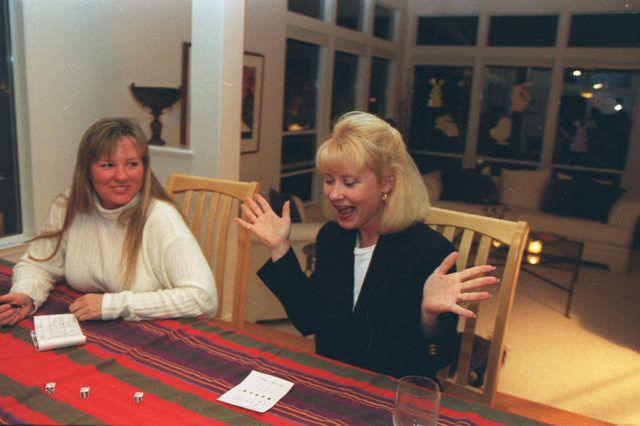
157, 99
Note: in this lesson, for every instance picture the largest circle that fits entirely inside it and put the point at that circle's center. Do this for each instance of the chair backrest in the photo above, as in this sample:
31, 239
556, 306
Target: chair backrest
209, 206
481, 240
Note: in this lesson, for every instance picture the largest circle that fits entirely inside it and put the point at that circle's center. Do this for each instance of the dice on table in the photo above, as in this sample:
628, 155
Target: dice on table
137, 397
50, 387
84, 392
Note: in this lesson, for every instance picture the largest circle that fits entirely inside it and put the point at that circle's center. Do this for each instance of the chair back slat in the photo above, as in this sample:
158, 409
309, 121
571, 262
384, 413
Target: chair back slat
481, 240
209, 206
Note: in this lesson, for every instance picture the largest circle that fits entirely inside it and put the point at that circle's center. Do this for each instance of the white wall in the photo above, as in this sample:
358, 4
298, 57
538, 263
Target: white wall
265, 34
79, 58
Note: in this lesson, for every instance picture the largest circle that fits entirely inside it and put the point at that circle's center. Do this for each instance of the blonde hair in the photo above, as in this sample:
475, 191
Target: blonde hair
362, 141
99, 141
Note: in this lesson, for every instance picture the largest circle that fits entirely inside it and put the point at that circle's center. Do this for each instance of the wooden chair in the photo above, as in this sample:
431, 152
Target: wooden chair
209, 206
481, 240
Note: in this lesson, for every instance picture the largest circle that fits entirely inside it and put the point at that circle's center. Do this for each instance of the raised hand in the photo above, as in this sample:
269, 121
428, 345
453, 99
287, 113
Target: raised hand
87, 307
442, 292
11, 315
265, 224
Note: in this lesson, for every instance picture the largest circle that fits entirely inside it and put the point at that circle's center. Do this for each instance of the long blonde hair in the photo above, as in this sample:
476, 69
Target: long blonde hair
99, 141
363, 141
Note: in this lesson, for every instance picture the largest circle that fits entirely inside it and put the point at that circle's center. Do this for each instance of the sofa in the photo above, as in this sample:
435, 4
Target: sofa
595, 212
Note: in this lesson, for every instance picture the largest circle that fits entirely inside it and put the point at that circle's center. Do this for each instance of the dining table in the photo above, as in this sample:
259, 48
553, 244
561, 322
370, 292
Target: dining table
179, 368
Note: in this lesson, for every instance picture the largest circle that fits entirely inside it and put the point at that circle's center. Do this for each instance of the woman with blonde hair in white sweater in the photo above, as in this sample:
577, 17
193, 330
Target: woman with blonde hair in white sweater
116, 236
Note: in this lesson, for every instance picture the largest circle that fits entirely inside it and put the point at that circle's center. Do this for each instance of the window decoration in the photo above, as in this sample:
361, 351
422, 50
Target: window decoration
513, 112
440, 108
595, 118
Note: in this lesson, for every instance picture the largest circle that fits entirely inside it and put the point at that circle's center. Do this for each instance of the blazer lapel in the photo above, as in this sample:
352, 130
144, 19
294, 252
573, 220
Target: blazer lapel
381, 261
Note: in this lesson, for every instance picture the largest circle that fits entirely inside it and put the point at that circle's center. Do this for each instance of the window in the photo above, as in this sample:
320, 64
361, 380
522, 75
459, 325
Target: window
10, 214
343, 95
314, 8
513, 112
299, 127
447, 30
349, 14
523, 30
534, 98
378, 86
594, 123
440, 108
612, 30
383, 23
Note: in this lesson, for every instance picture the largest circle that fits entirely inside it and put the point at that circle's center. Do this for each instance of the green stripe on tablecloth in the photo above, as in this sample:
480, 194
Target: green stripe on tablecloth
378, 381
188, 400
33, 398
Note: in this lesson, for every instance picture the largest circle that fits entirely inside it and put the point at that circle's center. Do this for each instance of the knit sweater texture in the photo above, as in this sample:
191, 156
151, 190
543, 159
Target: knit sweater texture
173, 279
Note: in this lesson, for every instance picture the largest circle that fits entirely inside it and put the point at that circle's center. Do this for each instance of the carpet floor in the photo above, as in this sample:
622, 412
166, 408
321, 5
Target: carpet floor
588, 363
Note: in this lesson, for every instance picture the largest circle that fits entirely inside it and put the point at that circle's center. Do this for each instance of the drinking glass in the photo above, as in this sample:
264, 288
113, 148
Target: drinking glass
417, 402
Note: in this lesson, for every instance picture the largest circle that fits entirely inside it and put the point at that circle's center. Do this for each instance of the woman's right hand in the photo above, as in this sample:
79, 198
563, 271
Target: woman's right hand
11, 316
265, 224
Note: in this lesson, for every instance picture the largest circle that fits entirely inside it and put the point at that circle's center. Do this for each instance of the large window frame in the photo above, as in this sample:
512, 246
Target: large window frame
557, 58
332, 38
17, 62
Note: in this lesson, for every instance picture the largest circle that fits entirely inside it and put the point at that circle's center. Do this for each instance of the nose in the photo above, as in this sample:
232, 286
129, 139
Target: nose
334, 192
121, 174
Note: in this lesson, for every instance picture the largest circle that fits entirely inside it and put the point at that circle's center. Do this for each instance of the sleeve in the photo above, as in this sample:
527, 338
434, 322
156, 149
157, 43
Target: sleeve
36, 278
291, 286
187, 286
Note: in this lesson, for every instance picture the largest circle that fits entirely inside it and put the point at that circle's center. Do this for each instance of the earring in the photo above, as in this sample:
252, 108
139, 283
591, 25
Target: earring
385, 197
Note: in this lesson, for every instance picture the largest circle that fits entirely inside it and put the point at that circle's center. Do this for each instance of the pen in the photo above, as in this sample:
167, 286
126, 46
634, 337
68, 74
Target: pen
13, 305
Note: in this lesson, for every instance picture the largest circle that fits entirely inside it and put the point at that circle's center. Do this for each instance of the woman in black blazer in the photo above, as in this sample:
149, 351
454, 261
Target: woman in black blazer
381, 296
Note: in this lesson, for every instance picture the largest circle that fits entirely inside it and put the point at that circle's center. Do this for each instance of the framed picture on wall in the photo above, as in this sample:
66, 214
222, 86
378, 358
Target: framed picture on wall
252, 71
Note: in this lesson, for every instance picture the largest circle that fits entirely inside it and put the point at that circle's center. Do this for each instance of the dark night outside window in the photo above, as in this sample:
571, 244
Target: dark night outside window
614, 30
447, 31
523, 30
305, 7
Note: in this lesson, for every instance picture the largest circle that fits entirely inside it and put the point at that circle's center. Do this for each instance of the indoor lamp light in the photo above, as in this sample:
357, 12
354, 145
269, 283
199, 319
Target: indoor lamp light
534, 248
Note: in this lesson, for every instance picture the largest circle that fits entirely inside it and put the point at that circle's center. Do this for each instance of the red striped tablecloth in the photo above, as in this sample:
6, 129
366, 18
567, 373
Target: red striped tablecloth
183, 366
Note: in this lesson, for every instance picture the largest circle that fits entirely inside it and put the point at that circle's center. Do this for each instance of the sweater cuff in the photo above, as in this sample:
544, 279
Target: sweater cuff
113, 305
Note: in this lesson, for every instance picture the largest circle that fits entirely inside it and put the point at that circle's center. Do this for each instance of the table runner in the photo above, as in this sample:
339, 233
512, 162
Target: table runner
183, 366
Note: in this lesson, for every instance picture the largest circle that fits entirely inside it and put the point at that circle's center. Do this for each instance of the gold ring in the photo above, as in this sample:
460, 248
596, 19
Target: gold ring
459, 296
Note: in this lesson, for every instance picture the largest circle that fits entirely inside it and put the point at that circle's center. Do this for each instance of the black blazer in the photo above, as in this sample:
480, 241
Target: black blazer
383, 332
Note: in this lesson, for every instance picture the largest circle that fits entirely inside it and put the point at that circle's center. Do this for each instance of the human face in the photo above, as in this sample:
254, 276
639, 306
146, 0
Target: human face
356, 199
118, 179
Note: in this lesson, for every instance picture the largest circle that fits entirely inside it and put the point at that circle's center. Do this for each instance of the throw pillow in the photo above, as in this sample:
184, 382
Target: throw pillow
467, 185
558, 198
277, 200
593, 199
523, 188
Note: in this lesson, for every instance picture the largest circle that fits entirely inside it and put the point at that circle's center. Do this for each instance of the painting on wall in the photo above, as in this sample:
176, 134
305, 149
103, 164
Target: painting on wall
252, 72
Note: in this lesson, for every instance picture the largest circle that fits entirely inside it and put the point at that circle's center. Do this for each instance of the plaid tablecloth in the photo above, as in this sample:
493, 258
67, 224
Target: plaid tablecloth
183, 366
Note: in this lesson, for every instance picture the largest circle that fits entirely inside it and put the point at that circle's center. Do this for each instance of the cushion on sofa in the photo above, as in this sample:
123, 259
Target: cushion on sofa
467, 185
523, 187
581, 197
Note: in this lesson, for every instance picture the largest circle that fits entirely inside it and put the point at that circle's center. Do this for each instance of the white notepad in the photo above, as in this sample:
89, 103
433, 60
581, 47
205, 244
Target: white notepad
257, 392
56, 331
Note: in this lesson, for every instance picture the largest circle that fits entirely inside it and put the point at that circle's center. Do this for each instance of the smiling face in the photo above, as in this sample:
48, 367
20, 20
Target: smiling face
118, 179
356, 198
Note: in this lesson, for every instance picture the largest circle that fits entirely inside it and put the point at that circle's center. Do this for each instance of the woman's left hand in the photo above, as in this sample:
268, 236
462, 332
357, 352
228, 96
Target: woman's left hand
442, 292
87, 307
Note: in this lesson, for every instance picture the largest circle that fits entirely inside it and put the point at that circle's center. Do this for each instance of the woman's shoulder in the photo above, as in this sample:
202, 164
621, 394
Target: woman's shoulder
163, 212
422, 234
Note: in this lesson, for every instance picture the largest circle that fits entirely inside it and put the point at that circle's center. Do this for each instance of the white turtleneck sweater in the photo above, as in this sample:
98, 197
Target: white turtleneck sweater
172, 279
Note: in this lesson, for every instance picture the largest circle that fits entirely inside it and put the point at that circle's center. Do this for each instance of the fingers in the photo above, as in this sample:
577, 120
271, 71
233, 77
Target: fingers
448, 263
